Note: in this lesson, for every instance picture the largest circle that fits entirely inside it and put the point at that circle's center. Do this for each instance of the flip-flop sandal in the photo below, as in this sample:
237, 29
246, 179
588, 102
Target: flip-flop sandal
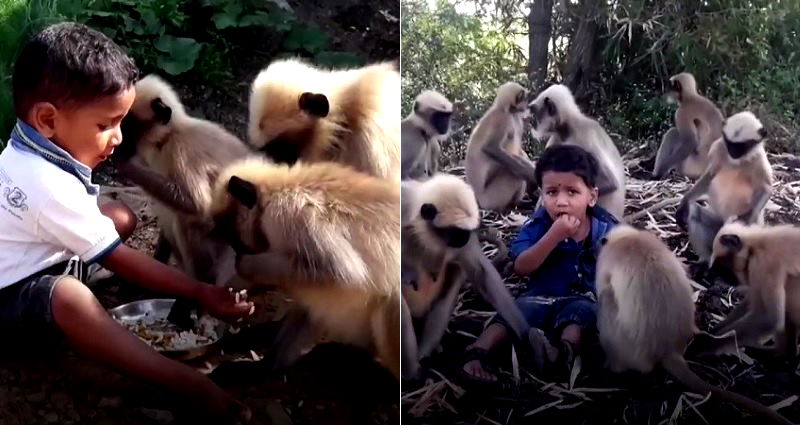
480, 355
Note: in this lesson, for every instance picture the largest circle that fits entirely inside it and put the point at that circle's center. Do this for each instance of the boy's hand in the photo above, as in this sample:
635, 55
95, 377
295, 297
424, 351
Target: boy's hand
221, 303
565, 226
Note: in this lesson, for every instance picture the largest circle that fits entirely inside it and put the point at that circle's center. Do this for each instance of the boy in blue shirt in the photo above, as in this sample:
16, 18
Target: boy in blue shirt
72, 86
557, 250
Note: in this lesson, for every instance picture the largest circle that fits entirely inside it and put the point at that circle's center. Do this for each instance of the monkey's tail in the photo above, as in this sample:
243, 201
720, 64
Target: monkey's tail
676, 365
490, 235
658, 205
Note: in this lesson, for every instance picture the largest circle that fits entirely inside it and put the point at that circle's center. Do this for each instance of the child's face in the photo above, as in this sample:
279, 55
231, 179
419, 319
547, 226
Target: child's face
566, 193
89, 132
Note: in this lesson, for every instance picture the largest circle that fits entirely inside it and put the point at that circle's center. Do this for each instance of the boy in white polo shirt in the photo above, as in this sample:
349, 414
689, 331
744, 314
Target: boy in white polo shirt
72, 87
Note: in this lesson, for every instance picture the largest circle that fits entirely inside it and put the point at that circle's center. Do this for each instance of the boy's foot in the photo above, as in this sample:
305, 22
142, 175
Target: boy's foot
474, 359
547, 355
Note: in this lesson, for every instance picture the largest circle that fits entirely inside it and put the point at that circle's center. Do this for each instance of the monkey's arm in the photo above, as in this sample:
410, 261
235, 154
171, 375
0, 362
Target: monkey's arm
730, 320
606, 182
296, 333
516, 165
409, 356
160, 187
433, 157
767, 304
699, 188
760, 198
438, 318
483, 275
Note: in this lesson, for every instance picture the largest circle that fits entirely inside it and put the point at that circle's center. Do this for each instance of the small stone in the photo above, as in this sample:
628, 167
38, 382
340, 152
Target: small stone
113, 402
36, 397
161, 416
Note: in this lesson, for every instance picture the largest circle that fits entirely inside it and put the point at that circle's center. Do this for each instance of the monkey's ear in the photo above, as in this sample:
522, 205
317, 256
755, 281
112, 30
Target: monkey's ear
762, 132
416, 107
161, 111
244, 191
314, 103
549, 106
676, 85
603, 241
428, 211
731, 241
521, 95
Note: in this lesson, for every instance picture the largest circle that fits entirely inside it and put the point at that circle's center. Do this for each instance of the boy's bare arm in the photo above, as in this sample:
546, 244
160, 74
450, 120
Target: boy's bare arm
533, 257
145, 271
136, 267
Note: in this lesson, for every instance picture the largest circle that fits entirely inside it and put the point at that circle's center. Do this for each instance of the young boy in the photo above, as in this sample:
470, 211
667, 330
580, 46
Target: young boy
556, 249
72, 86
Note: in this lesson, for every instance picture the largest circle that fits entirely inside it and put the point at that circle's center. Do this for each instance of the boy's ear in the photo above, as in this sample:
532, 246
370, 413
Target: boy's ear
43, 116
594, 195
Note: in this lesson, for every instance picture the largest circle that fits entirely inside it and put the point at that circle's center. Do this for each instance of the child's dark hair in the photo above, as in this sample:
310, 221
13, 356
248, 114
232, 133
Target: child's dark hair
568, 158
69, 63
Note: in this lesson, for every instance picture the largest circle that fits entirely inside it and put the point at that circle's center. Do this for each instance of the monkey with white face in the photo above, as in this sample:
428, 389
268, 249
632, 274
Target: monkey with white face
327, 235
698, 123
558, 118
737, 183
422, 131
440, 252
175, 158
763, 259
645, 312
497, 167
299, 111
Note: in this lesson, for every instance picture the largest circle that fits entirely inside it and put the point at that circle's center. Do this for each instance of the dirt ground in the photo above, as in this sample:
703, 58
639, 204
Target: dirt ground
595, 396
331, 385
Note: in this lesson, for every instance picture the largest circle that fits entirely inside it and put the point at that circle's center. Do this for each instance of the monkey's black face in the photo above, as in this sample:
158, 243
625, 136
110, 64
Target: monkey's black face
282, 150
132, 130
441, 121
454, 236
739, 149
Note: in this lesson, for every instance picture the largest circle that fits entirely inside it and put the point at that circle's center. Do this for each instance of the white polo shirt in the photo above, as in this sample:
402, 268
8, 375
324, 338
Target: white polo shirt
47, 214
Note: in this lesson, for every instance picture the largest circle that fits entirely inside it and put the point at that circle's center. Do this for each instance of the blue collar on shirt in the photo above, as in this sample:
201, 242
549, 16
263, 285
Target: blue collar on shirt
602, 220
25, 138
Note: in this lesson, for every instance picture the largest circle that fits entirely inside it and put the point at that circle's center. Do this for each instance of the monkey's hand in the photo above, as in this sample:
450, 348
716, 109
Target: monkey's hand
222, 304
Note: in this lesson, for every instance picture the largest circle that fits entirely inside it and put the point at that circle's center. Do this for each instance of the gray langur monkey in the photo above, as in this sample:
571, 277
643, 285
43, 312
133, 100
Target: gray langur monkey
764, 260
421, 132
175, 158
558, 118
736, 183
329, 237
645, 312
440, 250
698, 123
496, 166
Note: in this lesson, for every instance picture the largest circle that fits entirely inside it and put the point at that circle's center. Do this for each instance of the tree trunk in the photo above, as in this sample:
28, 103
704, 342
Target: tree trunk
580, 62
539, 29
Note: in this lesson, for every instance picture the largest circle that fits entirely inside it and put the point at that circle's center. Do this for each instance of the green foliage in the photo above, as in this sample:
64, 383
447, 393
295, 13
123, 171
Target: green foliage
744, 54
187, 38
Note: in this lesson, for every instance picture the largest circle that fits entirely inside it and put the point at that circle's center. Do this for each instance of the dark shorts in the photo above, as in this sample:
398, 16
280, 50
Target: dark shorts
26, 306
552, 314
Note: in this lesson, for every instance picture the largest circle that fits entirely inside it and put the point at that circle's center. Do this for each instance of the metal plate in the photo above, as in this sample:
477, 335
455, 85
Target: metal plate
159, 309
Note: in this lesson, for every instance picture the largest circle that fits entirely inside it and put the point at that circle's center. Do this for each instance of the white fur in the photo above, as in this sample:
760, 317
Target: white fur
454, 199
742, 126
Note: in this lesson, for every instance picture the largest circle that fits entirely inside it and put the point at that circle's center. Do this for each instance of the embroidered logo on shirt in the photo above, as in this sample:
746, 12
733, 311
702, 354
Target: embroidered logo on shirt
16, 198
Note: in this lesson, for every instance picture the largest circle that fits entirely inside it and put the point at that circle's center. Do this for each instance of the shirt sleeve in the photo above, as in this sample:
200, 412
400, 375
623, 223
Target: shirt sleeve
528, 235
76, 223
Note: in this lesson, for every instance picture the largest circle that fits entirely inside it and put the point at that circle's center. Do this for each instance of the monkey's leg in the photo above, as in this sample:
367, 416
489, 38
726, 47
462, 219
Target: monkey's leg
163, 249
296, 333
703, 227
786, 341
760, 198
730, 320
410, 350
438, 317
674, 148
